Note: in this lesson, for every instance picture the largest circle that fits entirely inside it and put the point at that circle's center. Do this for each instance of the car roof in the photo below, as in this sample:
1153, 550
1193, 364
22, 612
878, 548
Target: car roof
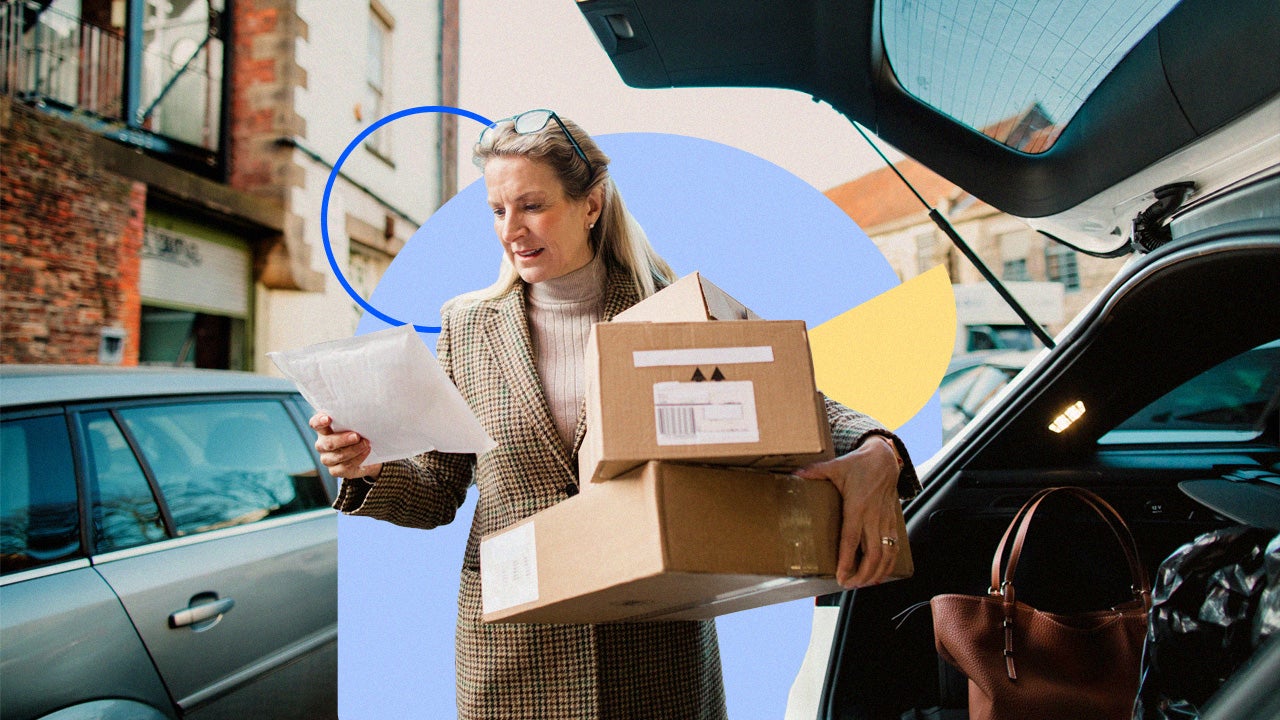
1003, 359
1206, 68
25, 385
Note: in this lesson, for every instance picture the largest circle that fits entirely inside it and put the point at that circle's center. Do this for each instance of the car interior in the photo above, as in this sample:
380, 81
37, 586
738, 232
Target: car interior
1190, 297
1195, 99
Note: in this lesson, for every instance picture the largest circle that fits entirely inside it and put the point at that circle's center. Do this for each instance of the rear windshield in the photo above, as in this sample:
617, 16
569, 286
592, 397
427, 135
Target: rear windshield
1015, 71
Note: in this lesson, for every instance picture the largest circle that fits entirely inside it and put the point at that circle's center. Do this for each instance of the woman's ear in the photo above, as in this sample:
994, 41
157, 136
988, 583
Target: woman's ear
595, 203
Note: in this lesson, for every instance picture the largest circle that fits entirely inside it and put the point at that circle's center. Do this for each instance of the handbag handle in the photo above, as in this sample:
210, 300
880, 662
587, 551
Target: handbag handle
1018, 530
1022, 522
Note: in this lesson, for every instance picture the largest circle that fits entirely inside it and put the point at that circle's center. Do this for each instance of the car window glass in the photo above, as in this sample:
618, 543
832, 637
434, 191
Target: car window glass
1228, 402
124, 510
1015, 71
306, 411
39, 517
984, 387
221, 464
955, 386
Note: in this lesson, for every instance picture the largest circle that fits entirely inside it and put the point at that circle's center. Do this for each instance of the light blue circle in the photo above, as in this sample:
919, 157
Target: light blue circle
760, 233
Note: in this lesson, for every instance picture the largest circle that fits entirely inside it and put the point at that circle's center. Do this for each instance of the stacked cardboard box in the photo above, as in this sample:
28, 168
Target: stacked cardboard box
664, 383
686, 510
735, 392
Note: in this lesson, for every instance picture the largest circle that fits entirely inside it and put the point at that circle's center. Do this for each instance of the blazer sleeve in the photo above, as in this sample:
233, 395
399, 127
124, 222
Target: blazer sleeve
420, 492
850, 428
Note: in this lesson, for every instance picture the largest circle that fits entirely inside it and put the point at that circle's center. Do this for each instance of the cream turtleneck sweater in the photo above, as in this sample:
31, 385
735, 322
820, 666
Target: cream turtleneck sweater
561, 312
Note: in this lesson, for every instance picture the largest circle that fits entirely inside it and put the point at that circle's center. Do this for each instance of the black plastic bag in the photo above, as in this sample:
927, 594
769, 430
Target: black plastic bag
1214, 600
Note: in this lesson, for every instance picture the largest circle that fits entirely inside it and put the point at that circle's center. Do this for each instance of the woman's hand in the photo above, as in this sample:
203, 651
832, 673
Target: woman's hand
342, 452
867, 479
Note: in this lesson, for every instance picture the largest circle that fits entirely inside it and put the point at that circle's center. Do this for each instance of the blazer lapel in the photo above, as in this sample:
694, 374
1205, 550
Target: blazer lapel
619, 294
507, 333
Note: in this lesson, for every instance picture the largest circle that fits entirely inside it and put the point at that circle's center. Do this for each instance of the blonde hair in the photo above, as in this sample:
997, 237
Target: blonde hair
616, 236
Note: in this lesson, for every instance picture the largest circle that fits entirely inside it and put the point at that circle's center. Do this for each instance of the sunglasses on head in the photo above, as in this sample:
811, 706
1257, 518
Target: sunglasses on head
531, 121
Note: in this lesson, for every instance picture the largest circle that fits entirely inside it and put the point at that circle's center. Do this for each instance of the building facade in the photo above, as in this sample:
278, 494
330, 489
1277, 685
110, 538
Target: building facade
164, 166
1052, 281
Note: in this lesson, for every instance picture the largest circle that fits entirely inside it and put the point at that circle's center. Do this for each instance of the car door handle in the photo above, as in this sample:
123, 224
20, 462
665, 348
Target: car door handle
200, 613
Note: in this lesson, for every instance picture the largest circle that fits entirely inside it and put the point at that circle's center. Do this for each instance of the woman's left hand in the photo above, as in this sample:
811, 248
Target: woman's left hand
867, 479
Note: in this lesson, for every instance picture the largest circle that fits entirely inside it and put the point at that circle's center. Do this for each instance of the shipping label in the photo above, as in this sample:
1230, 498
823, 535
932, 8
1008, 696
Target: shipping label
509, 569
705, 413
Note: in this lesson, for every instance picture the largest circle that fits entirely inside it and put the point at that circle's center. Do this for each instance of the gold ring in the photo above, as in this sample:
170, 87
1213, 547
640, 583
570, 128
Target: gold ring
888, 541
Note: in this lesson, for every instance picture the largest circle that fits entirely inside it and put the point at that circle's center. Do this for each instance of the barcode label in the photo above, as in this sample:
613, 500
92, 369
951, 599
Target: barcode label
677, 422
705, 413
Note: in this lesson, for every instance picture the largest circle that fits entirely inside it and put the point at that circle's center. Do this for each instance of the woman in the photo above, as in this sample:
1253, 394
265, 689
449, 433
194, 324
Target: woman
572, 256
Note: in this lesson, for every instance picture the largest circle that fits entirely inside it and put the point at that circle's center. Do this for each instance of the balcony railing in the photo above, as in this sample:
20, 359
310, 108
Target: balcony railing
46, 55
155, 83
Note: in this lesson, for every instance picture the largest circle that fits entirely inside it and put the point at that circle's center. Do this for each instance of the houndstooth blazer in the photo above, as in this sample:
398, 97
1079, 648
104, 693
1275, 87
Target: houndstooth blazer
545, 672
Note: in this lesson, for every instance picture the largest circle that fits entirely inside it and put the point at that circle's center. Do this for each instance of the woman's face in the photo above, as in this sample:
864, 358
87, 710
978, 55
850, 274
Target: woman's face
543, 231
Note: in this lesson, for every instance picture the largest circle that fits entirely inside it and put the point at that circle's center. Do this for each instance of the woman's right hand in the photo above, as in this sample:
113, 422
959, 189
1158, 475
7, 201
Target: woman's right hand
342, 452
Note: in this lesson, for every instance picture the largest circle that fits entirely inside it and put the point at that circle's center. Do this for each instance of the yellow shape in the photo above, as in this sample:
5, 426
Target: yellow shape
887, 356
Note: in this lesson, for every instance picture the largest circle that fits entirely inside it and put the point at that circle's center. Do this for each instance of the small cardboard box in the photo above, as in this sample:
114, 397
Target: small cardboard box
669, 542
725, 393
692, 298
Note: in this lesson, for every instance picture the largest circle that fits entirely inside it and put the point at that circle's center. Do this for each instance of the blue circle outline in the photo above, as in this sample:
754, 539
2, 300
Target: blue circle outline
328, 189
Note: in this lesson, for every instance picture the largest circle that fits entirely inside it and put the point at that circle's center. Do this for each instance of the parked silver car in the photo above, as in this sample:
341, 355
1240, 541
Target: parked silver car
166, 547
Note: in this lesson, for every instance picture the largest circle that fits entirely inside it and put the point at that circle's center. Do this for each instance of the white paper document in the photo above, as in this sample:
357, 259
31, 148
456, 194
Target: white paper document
389, 388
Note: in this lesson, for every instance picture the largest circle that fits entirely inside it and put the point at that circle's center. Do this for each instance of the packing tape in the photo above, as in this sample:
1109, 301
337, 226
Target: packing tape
795, 526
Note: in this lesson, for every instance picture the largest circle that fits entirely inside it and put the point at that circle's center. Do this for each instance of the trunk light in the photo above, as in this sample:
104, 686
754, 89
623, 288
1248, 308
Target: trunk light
1068, 416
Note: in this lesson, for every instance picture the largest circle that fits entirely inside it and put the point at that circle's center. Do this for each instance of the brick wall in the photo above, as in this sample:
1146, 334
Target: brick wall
266, 72
72, 240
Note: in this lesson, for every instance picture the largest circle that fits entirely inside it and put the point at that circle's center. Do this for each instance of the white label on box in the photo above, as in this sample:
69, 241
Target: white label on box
702, 356
509, 569
705, 413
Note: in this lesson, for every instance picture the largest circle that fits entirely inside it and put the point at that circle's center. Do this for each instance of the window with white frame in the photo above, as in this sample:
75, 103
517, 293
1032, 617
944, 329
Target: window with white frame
377, 77
145, 71
1061, 265
926, 251
1015, 269
1014, 247
366, 267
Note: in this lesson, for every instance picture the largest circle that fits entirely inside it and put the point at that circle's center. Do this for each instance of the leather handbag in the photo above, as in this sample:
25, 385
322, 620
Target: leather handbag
1028, 664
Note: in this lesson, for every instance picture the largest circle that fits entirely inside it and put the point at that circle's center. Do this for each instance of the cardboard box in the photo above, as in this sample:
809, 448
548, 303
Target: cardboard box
692, 298
726, 393
668, 542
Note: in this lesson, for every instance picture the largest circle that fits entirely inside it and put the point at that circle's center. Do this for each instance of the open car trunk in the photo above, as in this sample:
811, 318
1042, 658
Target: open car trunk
1206, 298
